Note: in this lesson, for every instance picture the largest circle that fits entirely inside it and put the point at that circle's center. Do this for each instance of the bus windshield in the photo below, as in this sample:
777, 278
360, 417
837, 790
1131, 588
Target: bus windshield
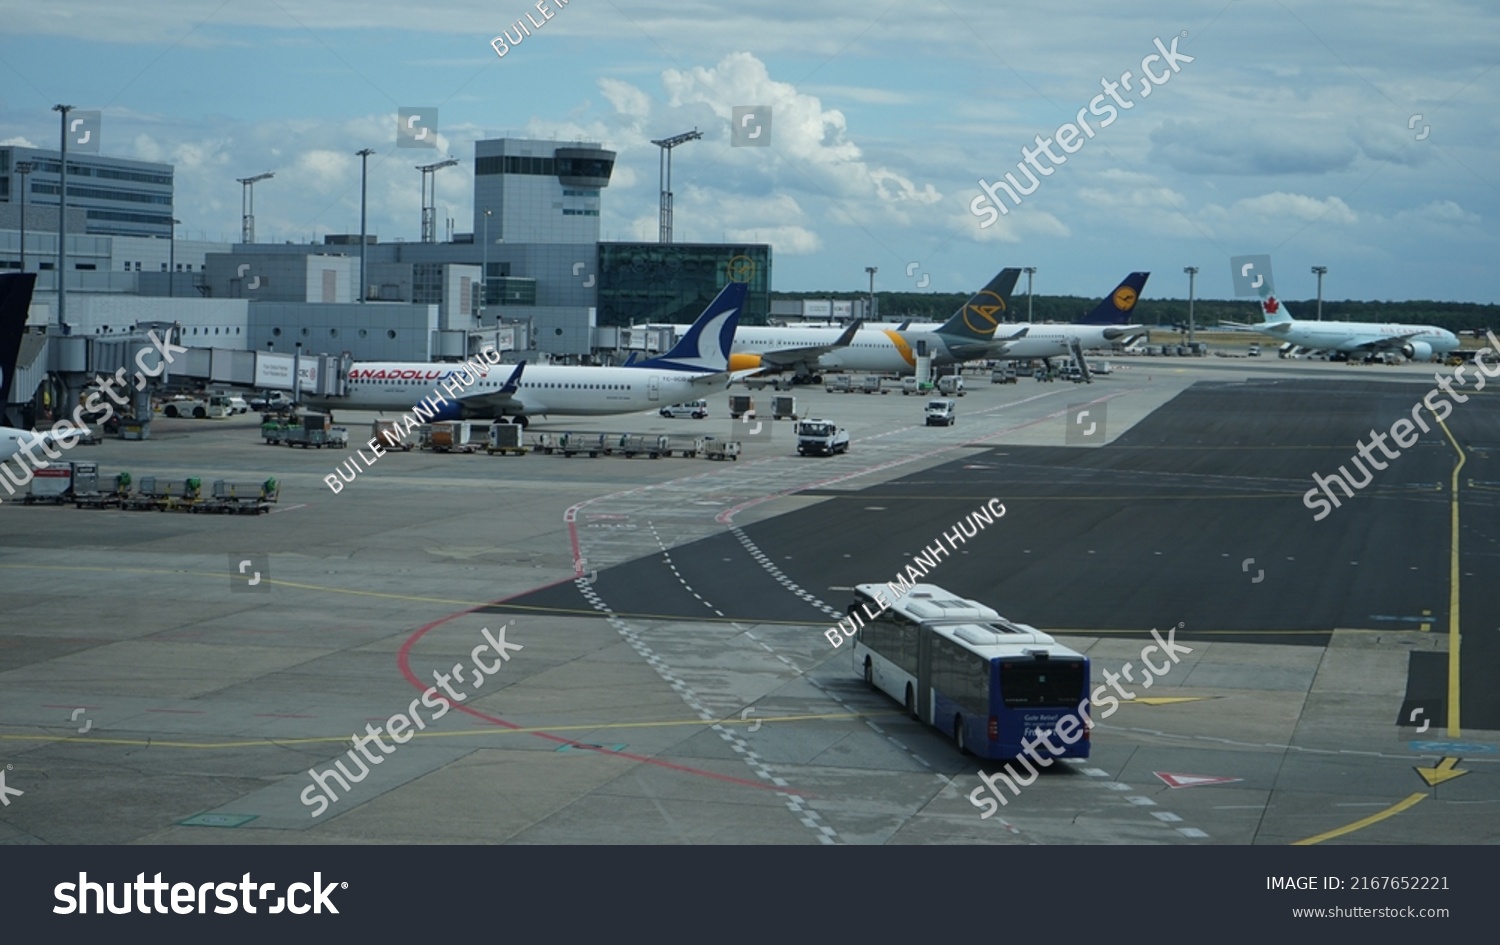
1041, 684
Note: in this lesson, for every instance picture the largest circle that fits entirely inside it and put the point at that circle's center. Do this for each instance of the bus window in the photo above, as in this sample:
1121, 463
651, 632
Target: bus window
1041, 684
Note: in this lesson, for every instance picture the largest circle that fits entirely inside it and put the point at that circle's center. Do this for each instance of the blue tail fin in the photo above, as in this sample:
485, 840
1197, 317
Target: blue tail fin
15, 300
1118, 306
705, 347
984, 311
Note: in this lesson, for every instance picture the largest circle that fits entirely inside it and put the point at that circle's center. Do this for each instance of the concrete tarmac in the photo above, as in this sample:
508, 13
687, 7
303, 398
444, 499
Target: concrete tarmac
674, 684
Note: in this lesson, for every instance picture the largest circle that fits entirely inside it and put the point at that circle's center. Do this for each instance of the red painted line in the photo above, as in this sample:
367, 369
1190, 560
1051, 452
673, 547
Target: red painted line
180, 711
403, 662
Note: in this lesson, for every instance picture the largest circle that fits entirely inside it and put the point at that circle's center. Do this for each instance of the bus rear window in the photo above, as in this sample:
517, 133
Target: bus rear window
1037, 683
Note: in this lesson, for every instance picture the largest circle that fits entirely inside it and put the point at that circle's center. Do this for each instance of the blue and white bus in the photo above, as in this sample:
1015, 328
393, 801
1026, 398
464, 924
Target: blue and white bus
960, 666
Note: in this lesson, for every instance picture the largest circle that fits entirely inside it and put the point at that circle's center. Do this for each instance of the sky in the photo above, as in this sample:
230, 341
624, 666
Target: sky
1360, 136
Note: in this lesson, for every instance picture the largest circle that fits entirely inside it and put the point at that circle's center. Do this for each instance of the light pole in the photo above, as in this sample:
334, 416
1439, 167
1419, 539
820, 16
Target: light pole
484, 266
1192, 273
870, 314
1030, 271
664, 173
247, 205
172, 261
23, 168
62, 219
364, 163
1319, 271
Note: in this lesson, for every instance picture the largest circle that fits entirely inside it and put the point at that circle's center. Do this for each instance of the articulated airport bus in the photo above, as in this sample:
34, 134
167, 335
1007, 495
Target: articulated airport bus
960, 666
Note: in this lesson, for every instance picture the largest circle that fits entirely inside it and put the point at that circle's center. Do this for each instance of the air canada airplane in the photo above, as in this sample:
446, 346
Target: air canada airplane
696, 365
1417, 342
810, 351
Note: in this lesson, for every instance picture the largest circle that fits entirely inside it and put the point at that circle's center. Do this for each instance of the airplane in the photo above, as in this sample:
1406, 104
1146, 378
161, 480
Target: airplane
697, 364
1104, 325
1416, 342
15, 301
808, 352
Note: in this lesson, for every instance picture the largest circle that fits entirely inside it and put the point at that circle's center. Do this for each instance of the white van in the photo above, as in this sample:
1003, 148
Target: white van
952, 385
940, 412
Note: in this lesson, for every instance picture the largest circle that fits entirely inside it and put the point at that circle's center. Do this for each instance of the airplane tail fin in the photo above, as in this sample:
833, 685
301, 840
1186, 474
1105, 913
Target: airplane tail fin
1272, 310
982, 314
705, 347
1119, 306
15, 300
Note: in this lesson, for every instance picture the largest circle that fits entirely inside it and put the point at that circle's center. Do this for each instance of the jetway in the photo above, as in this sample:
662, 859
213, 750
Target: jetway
55, 369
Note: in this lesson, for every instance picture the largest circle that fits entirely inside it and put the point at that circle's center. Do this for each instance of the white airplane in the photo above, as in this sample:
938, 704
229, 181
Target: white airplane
1106, 324
1416, 342
808, 352
697, 364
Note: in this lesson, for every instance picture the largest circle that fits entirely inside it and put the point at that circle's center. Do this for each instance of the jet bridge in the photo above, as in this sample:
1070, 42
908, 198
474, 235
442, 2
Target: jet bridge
54, 370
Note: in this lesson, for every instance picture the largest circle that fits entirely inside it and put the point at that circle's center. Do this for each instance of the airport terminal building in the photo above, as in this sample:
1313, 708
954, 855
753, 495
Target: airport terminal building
532, 277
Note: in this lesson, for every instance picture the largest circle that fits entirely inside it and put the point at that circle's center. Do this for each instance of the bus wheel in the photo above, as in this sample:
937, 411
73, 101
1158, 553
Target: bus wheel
911, 702
869, 673
959, 736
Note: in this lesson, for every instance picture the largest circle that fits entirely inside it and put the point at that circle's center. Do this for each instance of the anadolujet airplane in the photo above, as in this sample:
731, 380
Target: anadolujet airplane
696, 365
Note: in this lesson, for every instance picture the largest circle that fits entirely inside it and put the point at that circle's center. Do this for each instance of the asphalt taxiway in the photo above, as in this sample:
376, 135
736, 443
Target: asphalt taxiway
675, 684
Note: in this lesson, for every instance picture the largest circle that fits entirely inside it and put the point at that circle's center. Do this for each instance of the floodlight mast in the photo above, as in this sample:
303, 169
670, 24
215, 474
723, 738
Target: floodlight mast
247, 205
665, 175
429, 206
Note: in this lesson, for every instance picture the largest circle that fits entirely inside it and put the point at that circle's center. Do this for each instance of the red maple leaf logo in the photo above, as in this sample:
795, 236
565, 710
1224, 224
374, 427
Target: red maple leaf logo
1271, 305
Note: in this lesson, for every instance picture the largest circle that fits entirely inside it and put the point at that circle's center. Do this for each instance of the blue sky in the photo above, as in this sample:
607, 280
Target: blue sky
1292, 131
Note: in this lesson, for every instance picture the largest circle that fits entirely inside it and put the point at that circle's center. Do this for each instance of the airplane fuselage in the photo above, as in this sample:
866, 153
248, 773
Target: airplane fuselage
544, 390
882, 350
1359, 336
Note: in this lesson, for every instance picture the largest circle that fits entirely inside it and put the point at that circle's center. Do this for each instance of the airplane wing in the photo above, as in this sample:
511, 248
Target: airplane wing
791, 357
499, 399
1387, 343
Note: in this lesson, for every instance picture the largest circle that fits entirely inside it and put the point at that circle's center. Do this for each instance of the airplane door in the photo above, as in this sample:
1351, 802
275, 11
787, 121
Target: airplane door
653, 388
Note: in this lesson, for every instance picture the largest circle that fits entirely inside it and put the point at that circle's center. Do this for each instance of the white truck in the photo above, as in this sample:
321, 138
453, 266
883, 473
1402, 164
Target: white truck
821, 438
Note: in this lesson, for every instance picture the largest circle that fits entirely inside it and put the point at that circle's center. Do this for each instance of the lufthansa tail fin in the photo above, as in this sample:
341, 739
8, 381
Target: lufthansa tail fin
15, 301
705, 347
1119, 306
984, 311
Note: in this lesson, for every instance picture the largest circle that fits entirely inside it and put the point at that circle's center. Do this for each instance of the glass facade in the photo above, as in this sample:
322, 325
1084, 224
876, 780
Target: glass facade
674, 282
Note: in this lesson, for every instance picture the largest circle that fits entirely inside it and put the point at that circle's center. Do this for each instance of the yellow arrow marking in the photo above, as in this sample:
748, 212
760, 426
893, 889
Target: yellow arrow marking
1443, 771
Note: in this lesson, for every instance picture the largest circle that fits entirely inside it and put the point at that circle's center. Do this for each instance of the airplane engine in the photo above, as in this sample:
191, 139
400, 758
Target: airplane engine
1417, 350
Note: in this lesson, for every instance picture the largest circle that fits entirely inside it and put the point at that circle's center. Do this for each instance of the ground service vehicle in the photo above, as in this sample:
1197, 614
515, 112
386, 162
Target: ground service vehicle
697, 409
821, 438
839, 384
940, 412
961, 667
872, 385
388, 434
1004, 373
276, 400
951, 386
783, 407
910, 385
741, 405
